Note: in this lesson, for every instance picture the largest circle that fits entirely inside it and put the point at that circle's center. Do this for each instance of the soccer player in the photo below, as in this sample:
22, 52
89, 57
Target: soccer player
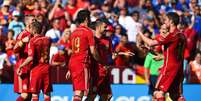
82, 45
38, 53
21, 82
100, 74
171, 74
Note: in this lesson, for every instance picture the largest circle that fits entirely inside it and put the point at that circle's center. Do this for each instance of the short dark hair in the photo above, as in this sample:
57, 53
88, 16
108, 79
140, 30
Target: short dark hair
99, 22
82, 16
92, 25
96, 23
11, 31
37, 26
135, 12
174, 17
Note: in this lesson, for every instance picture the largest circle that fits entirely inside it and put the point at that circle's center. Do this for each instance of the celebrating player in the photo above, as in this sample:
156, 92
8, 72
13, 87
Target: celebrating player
100, 73
38, 53
21, 82
82, 45
171, 74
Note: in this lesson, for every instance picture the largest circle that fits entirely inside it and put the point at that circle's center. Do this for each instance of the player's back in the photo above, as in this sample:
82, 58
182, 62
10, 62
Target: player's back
80, 41
41, 49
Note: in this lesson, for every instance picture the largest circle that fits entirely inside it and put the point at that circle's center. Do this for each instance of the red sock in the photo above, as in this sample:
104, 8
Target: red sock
160, 99
77, 98
34, 98
47, 99
20, 99
181, 99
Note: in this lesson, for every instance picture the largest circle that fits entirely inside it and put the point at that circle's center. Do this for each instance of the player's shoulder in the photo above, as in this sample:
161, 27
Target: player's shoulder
23, 34
86, 30
37, 38
106, 39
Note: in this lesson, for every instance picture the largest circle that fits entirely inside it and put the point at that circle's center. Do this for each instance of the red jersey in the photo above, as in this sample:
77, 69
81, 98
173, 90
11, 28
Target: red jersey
71, 11
10, 44
174, 45
80, 41
60, 58
39, 48
104, 48
122, 60
22, 54
62, 42
23, 51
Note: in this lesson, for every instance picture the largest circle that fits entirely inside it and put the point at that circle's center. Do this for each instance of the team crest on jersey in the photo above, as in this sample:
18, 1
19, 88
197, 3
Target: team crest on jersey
24, 87
29, 51
161, 86
32, 88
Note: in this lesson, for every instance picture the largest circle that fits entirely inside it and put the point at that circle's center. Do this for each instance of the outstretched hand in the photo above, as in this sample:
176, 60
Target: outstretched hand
129, 53
19, 71
68, 75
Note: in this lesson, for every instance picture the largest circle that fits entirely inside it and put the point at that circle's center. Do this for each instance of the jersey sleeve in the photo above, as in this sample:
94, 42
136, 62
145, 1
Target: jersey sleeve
31, 49
91, 38
70, 42
164, 40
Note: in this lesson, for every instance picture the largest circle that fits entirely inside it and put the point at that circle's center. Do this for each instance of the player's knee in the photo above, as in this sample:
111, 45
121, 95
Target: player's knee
159, 96
34, 97
79, 93
109, 97
47, 95
24, 95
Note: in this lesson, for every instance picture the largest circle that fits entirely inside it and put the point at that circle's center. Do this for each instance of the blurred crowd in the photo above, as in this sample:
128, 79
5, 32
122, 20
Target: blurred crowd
124, 18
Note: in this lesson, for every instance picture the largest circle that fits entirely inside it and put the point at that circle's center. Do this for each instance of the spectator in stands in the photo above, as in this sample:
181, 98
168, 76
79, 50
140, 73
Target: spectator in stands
58, 12
54, 34
152, 27
125, 53
60, 59
196, 14
106, 9
16, 25
83, 4
141, 9
142, 48
3, 60
182, 5
117, 36
44, 6
71, 8
64, 40
136, 25
5, 16
10, 43
153, 61
195, 69
129, 24
45, 23
3, 38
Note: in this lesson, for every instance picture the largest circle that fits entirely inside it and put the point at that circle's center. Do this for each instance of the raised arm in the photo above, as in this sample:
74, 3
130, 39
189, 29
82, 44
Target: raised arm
148, 41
